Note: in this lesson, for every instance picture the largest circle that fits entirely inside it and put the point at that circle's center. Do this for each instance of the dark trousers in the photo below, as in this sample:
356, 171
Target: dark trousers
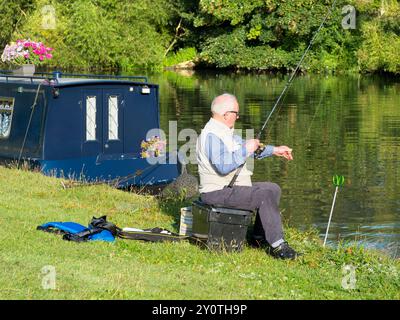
261, 196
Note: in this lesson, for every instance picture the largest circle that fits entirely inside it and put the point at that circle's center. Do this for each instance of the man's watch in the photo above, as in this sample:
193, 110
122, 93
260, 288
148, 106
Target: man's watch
260, 149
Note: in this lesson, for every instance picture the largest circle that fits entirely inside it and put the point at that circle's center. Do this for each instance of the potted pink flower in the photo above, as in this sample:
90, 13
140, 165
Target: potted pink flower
27, 54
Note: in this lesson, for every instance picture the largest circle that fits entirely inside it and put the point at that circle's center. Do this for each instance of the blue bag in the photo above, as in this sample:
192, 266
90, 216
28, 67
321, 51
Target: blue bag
76, 232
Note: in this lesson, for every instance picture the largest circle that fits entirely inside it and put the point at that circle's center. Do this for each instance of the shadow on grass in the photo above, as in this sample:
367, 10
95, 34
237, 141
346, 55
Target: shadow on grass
171, 206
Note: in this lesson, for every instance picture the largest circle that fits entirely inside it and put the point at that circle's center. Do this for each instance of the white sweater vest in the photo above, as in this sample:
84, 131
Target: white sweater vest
211, 180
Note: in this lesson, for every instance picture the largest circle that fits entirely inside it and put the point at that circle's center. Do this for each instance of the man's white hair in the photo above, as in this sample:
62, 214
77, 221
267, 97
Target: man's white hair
223, 103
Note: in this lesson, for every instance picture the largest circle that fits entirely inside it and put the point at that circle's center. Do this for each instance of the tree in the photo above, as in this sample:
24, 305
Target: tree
12, 15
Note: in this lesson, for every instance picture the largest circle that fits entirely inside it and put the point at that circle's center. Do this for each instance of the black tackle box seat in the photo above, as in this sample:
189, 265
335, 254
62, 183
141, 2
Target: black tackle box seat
220, 228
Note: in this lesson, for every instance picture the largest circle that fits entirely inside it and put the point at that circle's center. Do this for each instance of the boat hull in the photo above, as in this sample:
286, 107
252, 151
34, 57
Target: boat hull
121, 172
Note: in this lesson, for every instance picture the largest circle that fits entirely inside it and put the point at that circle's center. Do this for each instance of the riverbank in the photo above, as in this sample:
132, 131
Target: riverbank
130, 269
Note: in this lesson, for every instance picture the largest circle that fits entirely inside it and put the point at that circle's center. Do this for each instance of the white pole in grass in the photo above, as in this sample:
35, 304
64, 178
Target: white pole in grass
337, 181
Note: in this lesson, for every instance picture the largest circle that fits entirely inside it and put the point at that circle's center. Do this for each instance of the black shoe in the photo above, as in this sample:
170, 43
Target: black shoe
284, 251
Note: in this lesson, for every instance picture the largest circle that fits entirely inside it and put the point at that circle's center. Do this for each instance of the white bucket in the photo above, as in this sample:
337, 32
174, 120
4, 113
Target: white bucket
186, 222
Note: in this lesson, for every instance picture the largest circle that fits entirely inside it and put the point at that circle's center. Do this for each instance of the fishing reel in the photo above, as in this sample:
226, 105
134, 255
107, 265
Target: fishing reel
260, 149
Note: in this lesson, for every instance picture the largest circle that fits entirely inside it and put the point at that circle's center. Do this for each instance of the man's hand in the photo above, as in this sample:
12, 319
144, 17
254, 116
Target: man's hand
252, 145
283, 151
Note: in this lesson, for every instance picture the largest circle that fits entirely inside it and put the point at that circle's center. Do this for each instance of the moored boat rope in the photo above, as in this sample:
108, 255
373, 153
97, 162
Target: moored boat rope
29, 124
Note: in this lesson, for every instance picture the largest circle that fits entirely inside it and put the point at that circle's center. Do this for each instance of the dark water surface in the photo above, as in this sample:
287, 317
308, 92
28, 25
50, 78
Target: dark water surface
335, 125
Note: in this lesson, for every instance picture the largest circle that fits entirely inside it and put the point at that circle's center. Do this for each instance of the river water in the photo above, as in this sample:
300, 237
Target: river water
347, 125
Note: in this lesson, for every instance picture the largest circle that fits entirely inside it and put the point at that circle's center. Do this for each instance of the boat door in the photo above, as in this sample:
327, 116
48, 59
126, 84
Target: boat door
113, 121
102, 122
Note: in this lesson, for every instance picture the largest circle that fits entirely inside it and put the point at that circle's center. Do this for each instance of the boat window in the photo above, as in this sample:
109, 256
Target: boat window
91, 118
113, 118
6, 112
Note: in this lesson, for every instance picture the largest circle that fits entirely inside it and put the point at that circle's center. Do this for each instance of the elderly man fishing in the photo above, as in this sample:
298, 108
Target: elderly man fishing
219, 154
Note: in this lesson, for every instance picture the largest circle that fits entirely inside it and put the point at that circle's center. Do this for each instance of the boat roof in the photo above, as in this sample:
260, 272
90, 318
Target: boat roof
58, 79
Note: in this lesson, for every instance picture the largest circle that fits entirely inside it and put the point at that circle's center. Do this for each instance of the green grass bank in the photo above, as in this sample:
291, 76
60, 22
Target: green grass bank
130, 269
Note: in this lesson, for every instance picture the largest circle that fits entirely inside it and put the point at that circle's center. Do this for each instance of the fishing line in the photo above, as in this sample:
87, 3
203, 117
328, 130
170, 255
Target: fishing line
285, 89
289, 83
312, 120
267, 134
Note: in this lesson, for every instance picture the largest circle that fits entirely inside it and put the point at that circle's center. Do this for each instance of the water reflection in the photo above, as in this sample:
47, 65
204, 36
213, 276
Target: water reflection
336, 125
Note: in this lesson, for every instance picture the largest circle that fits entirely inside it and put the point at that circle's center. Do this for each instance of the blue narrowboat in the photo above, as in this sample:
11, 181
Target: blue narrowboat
83, 127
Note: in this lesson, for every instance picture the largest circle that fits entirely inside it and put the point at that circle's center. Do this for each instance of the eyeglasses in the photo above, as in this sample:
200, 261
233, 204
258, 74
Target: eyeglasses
235, 112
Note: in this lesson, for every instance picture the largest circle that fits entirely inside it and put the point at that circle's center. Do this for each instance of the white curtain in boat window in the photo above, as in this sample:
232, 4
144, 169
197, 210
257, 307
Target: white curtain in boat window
6, 111
113, 118
91, 118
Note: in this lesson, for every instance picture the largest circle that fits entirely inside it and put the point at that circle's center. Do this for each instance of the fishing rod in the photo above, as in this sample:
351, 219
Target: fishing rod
287, 86
289, 83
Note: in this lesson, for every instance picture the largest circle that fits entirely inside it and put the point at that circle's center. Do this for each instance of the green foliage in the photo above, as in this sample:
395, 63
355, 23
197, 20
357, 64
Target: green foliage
273, 34
234, 11
100, 34
93, 37
252, 34
381, 41
259, 34
182, 55
12, 15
